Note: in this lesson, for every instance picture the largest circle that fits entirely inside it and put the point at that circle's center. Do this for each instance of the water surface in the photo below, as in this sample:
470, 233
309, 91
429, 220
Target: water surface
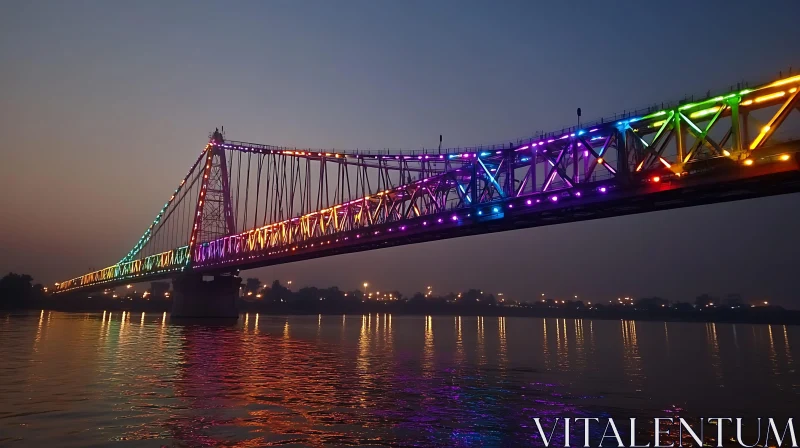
94, 379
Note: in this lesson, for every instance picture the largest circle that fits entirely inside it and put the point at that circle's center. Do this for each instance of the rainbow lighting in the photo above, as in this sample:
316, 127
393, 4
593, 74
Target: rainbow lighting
245, 205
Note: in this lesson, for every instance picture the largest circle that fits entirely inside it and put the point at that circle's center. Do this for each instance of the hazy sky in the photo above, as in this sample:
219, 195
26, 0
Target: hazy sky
105, 104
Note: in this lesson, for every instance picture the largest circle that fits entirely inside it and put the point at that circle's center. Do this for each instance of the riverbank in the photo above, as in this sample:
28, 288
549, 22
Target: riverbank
751, 315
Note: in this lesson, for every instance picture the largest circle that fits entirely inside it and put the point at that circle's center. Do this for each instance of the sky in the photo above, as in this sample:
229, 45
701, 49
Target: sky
105, 105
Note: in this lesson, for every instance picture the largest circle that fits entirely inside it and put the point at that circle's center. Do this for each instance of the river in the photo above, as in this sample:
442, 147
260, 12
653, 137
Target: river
72, 379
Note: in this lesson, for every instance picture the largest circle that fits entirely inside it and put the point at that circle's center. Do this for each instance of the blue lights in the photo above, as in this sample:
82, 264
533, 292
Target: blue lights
495, 210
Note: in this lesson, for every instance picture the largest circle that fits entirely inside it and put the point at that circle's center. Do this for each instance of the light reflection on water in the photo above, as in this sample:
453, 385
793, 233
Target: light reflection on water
83, 379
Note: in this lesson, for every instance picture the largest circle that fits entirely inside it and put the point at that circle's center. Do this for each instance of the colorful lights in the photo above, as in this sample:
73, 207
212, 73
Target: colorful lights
289, 235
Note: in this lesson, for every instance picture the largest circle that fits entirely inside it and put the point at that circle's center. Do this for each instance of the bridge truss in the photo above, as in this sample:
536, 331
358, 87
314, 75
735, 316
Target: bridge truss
244, 205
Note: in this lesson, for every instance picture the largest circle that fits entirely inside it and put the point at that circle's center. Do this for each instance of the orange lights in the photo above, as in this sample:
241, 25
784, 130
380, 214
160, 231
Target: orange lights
656, 179
782, 82
748, 162
600, 160
771, 96
664, 162
747, 103
784, 157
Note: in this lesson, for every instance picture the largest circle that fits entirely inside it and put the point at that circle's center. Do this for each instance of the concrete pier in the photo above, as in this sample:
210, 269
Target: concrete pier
195, 297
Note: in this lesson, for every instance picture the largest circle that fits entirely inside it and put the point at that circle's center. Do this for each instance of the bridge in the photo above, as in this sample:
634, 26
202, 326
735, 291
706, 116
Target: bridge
245, 205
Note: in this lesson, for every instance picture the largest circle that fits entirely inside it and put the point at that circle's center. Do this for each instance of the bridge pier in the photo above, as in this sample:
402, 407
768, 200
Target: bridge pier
195, 298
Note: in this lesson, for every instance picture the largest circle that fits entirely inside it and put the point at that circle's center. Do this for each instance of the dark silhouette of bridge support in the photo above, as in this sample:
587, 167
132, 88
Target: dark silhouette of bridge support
195, 297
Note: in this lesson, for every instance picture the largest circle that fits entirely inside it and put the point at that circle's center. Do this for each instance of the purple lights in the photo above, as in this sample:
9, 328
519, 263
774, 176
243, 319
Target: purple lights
602, 189
454, 218
554, 198
529, 202
439, 220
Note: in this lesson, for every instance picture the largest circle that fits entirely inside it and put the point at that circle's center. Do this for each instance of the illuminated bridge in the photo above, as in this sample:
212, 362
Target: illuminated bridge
244, 205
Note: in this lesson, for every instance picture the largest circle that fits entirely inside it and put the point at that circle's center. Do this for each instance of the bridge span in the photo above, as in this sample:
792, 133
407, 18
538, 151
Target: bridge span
244, 205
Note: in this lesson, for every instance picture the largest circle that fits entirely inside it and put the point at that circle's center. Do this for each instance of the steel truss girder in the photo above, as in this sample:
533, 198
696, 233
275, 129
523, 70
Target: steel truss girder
376, 190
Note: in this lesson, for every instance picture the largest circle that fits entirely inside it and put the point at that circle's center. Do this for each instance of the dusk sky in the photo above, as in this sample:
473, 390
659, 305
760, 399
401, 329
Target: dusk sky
105, 105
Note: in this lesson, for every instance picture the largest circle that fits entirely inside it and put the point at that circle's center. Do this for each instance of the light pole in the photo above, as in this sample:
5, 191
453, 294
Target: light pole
365, 289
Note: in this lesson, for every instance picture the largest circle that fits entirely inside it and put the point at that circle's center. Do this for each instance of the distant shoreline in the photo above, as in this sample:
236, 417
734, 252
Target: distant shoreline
758, 315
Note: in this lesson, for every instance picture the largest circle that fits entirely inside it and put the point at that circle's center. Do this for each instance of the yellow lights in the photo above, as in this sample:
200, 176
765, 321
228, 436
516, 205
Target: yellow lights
129, 286
166, 294
656, 179
599, 160
664, 162
748, 162
249, 293
766, 303
658, 123
704, 112
747, 103
726, 153
783, 82
793, 89
760, 137
366, 284
785, 157
771, 96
